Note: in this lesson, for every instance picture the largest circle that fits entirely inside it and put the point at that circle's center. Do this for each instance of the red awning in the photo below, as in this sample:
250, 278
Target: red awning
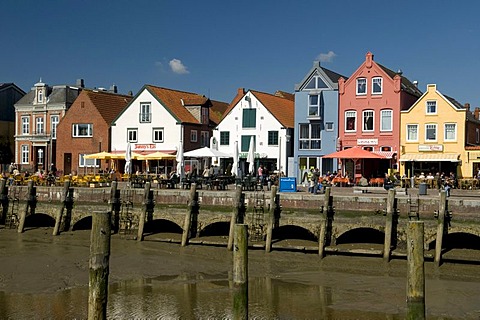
386, 154
354, 153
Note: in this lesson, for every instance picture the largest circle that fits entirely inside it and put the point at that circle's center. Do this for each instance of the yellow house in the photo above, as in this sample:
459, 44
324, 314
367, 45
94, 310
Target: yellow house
432, 136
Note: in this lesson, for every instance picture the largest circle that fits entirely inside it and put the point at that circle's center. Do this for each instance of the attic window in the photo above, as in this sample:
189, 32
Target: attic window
40, 95
316, 83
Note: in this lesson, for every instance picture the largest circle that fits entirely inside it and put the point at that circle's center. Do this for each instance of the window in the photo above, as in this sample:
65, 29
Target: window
25, 125
350, 121
245, 144
315, 105
477, 135
53, 126
145, 115
205, 115
377, 85
157, 134
310, 136
385, 148
361, 86
430, 132
431, 107
450, 132
386, 120
40, 156
273, 138
82, 130
40, 125
82, 162
224, 138
40, 96
316, 83
249, 118
193, 135
132, 135
25, 153
412, 132
204, 138
367, 120
329, 126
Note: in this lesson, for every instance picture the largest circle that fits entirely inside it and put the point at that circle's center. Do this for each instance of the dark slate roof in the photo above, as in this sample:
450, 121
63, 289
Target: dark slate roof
407, 85
57, 94
457, 104
333, 75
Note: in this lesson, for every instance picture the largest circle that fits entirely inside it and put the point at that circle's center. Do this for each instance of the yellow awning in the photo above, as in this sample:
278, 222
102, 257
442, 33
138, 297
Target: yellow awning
451, 157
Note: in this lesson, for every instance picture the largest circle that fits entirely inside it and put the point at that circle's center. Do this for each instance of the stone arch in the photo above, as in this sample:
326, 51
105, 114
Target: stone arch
218, 228
364, 234
38, 220
293, 232
84, 223
162, 226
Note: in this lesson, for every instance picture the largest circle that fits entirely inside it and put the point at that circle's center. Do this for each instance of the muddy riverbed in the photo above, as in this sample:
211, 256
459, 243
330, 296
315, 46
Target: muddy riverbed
42, 276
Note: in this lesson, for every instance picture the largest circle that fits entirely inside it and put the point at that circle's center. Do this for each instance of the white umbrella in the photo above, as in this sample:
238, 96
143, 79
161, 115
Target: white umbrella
251, 156
235, 159
180, 161
206, 152
128, 159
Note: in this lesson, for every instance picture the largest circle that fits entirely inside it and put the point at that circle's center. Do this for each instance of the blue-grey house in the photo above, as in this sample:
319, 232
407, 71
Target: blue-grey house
316, 121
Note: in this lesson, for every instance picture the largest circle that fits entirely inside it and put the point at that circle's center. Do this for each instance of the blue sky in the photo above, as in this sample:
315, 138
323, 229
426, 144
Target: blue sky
215, 47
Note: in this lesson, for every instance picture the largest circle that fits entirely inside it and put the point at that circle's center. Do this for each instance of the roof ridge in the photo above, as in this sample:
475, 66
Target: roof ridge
176, 90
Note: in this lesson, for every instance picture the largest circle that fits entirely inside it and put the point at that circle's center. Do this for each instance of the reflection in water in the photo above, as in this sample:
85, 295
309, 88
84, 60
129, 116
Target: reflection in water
183, 297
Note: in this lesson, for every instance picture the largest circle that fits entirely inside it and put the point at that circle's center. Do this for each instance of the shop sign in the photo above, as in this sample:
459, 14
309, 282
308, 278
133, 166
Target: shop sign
147, 146
430, 147
367, 142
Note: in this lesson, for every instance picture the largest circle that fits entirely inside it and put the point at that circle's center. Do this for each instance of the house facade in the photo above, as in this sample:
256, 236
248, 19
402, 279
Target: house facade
161, 119
316, 121
370, 102
85, 129
436, 132
37, 115
269, 119
9, 95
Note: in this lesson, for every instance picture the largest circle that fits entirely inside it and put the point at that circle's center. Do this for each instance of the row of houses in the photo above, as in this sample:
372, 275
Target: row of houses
375, 109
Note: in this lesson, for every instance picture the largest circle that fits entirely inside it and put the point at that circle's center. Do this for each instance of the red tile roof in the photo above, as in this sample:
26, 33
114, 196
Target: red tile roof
108, 104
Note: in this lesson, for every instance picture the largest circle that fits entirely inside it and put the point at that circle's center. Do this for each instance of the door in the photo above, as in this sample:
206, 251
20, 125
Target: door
67, 163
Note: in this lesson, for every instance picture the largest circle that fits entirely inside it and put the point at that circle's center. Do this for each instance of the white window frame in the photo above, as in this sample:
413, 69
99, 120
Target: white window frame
428, 104
193, 135
454, 131
132, 135
54, 120
41, 156
40, 96
145, 115
160, 131
25, 156
380, 80
25, 124
364, 112
76, 131
431, 126
408, 135
309, 140
87, 163
382, 116
314, 106
351, 114
477, 135
329, 126
39, 125
366, 86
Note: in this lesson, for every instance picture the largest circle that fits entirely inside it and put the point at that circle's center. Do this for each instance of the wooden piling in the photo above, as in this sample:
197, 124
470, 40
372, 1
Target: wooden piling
143, 214
240, 272
3, 200
30, 199
322, 238
442, 212
387, 245
115, 206
235, 213
58, 218
415, 270
99, 265
188, 216
271, 219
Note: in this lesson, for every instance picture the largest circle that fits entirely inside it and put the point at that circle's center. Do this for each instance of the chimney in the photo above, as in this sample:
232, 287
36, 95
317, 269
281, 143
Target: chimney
467, 106
368, 60
80, 83
476, 113
415, 83
241, 91
113, 88
130, 93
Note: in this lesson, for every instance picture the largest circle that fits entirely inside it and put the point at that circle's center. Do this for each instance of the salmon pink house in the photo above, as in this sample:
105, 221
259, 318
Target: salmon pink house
370, 102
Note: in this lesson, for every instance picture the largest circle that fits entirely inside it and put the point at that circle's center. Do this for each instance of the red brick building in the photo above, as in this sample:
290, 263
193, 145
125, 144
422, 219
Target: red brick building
85, 129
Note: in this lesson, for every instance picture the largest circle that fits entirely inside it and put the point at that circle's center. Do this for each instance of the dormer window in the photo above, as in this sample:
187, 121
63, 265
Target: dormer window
40, 96
361, 86
316, 83
377, 85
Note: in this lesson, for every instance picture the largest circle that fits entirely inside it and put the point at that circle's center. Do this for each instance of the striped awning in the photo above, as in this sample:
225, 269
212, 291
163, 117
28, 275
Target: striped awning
386, 154
450, 157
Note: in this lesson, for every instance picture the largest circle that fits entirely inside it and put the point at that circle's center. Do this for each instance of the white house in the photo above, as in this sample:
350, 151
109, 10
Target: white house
160, 119
268, 118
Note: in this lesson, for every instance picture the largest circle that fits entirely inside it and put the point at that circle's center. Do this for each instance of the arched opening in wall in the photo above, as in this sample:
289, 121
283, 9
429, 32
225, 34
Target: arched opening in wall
458, 240
39, 220
165, 227
292, 232
216, 229
83, 224
361, 235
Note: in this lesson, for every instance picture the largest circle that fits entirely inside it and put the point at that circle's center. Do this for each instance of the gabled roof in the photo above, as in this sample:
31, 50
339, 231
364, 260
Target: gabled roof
109, 105
407, 85
331, 76
217, 110
4, 86
454, 103
174, 102
281, 108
